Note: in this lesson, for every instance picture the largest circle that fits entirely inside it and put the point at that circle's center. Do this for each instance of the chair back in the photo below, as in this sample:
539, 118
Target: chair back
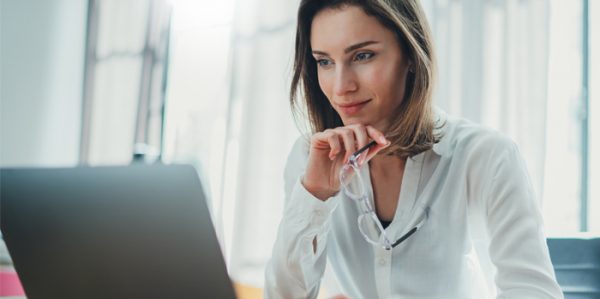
576, 261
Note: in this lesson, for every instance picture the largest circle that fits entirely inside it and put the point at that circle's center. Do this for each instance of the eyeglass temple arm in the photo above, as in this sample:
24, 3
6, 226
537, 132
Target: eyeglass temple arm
362, 149
408, 234
413, 230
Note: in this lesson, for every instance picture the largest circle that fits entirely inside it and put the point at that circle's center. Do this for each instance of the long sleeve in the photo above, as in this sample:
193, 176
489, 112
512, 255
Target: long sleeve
517, 242
295, 269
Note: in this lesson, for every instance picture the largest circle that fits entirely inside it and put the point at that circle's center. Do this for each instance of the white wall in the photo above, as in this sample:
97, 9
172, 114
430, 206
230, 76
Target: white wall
42, 45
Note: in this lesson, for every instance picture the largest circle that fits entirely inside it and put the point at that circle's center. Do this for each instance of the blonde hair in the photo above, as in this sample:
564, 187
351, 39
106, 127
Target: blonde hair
412, 131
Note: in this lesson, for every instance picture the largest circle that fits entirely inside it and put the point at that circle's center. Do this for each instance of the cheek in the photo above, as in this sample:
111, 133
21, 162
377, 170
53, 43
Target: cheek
384, 81
325, 83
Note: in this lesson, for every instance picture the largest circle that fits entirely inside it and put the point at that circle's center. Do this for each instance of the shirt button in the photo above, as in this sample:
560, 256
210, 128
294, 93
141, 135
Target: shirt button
382, 262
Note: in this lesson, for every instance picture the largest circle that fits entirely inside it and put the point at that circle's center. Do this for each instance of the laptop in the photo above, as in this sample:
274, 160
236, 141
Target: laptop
140, 231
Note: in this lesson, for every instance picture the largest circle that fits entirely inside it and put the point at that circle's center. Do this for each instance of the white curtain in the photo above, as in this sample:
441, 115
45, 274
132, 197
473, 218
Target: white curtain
493, 57
228, 115
260, 134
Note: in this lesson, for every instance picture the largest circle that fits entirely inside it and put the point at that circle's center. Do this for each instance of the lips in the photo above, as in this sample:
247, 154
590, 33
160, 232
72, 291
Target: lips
353, 108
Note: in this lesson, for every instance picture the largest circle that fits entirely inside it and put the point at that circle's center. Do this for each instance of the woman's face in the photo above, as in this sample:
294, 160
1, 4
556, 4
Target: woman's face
361, 67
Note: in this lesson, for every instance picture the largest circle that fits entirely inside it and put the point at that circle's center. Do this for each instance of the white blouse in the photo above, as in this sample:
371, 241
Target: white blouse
483, 236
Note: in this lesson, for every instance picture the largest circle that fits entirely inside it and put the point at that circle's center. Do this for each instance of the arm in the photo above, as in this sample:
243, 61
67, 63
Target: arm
298, 259
517, 242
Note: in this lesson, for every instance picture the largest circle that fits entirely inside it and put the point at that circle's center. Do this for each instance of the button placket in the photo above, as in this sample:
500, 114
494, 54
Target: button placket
382, 264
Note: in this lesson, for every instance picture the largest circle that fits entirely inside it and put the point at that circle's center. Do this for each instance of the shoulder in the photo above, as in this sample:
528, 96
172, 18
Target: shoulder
470, 141
488, 159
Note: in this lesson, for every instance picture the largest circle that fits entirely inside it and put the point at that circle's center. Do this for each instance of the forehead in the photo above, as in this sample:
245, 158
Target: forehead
333, 28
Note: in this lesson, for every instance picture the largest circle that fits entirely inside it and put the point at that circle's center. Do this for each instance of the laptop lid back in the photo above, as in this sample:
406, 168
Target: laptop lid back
112, 232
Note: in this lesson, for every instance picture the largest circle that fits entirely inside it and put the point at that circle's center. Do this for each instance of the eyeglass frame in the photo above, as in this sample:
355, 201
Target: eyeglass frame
368, 210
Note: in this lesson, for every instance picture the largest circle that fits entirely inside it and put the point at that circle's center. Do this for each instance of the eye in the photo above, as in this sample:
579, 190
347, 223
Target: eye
324, 63
363, 56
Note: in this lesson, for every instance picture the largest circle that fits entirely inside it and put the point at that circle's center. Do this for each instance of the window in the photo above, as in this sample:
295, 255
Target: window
570, 199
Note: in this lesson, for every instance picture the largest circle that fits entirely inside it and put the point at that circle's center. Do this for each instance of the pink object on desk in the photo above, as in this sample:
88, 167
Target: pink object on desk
10, 285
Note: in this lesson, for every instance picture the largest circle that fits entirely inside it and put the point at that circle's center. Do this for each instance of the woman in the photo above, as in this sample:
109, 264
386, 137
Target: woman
394, 194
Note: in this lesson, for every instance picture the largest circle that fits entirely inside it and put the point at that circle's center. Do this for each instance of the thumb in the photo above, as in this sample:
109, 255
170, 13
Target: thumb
373, 151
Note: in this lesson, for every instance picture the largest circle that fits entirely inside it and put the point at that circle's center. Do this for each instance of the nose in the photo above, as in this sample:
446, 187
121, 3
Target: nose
345, 81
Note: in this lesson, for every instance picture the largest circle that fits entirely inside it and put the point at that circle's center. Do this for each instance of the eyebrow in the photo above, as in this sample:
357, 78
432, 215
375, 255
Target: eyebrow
349, 49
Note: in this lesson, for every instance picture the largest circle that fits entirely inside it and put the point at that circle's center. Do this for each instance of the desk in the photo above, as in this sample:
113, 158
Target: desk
247, 292
10, 287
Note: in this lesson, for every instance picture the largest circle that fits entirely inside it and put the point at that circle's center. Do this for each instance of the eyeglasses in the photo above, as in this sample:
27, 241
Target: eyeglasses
369, 225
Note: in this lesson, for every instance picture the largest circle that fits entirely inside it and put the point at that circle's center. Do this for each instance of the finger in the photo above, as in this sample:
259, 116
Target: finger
362, 138
363, 157
376, 135
363, 151
348, 139
379, 137
360, 132
320, 140
375, 150
335, 145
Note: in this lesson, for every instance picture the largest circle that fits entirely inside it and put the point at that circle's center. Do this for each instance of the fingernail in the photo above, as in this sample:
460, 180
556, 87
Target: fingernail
382, 139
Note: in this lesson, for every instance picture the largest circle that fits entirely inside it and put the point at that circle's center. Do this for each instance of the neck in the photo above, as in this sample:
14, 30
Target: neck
385, 162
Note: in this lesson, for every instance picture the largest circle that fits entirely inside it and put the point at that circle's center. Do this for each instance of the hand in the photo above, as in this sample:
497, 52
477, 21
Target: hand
330, 149
340, 296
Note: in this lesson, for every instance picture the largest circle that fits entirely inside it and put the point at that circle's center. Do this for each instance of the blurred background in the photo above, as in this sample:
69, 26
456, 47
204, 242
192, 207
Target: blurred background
108, 82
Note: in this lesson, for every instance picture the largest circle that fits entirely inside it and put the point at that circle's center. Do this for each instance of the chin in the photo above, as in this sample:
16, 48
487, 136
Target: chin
356, 120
